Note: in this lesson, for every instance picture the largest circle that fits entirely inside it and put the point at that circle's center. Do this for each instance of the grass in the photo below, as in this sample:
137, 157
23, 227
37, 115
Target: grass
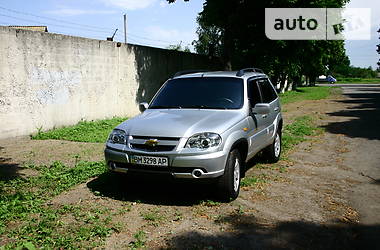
358, 80
298, 131
305, 93
139, 242
293, 134
250, 181
84, 131
27, 219
153, 216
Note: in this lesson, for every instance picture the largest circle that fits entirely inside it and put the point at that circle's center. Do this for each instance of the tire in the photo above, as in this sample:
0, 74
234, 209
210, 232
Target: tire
229, 183
272, 153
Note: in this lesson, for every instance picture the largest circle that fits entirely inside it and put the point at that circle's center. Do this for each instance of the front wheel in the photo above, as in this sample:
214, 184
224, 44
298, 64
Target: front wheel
272, 152
229, 183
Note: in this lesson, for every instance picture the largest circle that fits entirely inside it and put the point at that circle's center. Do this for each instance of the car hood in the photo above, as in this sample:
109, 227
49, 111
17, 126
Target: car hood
181, 123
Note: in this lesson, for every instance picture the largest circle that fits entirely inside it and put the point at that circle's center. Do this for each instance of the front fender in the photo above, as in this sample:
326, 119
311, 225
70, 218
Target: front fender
237, 133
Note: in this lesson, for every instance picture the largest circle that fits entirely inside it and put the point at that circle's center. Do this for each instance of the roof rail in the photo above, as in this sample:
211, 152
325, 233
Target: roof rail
243, 71
185, 72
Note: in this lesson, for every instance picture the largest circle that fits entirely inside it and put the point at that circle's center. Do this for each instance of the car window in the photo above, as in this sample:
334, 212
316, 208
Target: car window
253, 93
202, 93
267, 91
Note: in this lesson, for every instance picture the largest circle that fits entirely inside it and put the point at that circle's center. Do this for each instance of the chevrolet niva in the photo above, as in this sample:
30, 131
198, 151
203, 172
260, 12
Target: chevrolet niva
202, 125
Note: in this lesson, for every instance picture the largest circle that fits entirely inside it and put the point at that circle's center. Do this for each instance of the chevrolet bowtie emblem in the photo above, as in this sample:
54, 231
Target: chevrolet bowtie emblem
151, 142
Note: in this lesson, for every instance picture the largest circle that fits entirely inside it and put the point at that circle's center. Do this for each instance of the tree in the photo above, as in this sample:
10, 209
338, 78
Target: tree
378, 51
235, 30
178, 47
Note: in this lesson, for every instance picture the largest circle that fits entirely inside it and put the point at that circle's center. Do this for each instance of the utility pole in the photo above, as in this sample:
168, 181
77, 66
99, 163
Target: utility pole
125, 28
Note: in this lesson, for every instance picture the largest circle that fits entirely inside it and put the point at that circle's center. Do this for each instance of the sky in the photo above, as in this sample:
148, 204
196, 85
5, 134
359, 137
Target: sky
149, 22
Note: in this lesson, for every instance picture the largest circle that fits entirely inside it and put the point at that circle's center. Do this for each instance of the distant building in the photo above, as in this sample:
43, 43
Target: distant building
33, 28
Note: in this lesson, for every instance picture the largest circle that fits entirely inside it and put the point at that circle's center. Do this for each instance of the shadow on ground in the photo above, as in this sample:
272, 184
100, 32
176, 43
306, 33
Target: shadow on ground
156, 189
245, 232
8, 170
365, 116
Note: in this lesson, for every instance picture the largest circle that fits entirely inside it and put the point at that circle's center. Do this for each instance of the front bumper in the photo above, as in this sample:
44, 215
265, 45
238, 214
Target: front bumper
196, 166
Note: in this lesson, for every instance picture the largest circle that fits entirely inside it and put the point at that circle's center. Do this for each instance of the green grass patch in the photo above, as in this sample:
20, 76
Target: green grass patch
139, 242
358, 80
298, 131
84, 131
210, 203
153, 216
26, 219
305, 93
250, 181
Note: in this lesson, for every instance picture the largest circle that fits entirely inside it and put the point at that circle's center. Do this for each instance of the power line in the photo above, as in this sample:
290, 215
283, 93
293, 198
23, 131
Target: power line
58, 25
54, 19
87, 27
149, 39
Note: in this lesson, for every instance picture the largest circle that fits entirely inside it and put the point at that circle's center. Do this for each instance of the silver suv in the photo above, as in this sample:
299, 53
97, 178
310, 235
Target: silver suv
201, 125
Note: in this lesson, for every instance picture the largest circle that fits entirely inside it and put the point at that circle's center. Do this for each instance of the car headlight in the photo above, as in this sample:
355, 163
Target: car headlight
204, 141
118, 136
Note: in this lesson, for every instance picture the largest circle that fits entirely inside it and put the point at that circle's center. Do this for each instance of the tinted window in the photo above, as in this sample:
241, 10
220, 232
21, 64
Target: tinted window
201, 92
267, 91
253, 93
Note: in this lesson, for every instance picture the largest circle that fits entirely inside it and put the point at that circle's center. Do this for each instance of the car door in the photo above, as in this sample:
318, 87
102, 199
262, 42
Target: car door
256, 123
269, 95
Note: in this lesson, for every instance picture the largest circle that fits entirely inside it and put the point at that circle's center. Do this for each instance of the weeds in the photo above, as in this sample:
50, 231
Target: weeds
153, 216
298, 131
252, 181
139, 242
210, 203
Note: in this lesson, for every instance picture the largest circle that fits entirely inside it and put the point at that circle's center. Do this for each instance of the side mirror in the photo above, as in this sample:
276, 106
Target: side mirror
261, 109
143, 106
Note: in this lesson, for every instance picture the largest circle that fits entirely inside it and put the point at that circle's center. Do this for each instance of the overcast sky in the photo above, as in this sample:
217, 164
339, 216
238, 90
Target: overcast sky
150, 22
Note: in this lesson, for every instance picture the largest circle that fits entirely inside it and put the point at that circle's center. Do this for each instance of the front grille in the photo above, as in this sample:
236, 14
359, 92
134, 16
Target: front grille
160, 144
158, 148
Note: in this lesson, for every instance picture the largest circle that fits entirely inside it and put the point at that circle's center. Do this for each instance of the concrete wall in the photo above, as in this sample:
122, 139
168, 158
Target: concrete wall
51, 80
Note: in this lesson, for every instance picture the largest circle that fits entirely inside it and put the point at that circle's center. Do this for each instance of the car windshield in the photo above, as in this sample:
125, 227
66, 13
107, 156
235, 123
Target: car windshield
201, 93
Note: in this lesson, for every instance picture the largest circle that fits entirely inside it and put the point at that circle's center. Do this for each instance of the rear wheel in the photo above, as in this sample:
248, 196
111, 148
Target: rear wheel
273, 152
229, 183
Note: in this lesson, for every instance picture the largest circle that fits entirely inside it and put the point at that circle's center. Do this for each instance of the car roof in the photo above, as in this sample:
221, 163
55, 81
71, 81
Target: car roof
221, 74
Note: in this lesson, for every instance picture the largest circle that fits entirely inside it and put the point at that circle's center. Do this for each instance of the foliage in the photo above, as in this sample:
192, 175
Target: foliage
305, 93
357, 80
235, 31
209, 40
179, 47
378, 51
84, 131
347, 71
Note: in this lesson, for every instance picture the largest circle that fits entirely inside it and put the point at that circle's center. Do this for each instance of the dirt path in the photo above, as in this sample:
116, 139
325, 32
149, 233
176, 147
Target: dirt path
325, 196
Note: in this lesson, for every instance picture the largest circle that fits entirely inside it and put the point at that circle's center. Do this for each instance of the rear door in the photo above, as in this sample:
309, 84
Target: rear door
256, 133
269, 95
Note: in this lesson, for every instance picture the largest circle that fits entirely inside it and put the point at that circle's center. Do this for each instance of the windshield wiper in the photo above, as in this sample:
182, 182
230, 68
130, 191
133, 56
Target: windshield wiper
165, 107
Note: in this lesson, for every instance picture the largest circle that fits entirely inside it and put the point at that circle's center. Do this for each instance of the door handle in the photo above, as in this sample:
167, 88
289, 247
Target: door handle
276, 109
264, 116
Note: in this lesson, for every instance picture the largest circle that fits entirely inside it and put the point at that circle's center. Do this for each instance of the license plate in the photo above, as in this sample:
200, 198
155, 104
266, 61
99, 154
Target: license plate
149, 160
